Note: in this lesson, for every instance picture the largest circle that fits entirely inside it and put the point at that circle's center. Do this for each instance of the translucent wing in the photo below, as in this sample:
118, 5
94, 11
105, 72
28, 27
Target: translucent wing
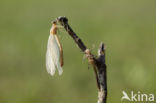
53, 56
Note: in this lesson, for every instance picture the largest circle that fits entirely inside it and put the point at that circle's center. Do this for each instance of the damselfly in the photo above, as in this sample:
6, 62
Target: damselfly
54, 55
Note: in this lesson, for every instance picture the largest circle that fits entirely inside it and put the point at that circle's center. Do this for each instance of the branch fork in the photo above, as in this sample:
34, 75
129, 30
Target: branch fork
97, 63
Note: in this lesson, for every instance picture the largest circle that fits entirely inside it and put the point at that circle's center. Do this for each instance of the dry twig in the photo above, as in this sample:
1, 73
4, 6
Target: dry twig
97, 63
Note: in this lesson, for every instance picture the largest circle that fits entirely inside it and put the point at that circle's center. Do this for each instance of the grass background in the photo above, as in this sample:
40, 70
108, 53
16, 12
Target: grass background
127, 27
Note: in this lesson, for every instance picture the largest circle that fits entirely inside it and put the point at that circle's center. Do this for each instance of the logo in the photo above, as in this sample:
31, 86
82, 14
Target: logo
137, 97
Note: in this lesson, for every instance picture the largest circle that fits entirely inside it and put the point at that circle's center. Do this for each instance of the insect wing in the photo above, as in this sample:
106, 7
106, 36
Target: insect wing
52, 56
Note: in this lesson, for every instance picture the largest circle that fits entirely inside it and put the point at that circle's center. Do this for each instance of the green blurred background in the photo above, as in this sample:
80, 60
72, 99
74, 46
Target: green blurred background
127, 27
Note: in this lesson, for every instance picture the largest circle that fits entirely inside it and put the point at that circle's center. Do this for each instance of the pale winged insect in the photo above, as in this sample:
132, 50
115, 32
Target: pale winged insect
54, 54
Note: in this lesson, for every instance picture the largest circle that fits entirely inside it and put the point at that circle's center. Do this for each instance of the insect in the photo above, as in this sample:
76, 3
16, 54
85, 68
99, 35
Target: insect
92, 62
54, 54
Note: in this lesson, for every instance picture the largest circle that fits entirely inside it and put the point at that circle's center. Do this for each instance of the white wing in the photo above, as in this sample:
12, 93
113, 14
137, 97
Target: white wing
53, 56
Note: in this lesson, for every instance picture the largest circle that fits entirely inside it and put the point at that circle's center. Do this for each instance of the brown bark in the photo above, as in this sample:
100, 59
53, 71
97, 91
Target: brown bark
97, 63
